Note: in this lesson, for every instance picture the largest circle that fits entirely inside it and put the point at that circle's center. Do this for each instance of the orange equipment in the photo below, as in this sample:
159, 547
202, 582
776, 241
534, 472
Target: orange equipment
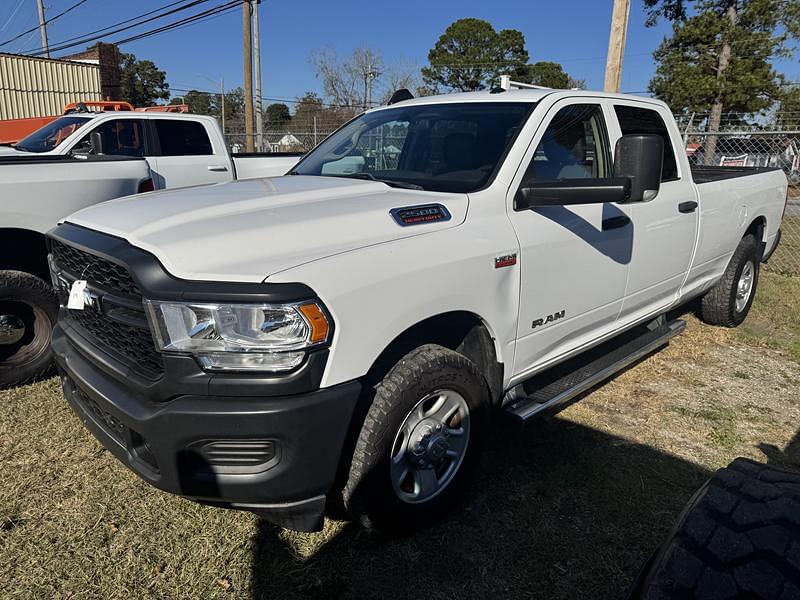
13, 130
168, 108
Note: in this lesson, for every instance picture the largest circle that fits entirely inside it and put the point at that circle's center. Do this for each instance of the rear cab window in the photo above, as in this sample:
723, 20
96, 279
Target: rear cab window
635, 119
182, 138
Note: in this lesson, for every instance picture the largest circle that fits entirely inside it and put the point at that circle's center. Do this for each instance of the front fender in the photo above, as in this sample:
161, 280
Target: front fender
376, 293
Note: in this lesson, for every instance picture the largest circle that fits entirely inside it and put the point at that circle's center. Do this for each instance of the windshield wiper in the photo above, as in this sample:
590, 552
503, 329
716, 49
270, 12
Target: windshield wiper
390, 182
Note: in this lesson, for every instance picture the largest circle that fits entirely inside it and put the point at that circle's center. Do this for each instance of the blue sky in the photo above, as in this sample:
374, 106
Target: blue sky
572, 32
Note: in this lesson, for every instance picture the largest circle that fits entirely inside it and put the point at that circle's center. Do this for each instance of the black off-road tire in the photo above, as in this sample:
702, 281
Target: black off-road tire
739, 537
33, 301
368, 494
718, 306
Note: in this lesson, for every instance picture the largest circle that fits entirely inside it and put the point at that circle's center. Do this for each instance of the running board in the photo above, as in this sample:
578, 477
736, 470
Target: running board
550, 391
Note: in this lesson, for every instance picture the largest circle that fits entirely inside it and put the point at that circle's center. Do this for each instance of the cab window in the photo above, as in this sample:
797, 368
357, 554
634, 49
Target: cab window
633, 119
182, 138
574, 146
121, 137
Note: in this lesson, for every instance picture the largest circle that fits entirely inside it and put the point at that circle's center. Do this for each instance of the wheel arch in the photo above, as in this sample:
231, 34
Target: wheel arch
23, 250
462, 331
758, 228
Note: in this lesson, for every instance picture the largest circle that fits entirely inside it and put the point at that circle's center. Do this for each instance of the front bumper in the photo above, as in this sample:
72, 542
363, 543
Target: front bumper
273, 455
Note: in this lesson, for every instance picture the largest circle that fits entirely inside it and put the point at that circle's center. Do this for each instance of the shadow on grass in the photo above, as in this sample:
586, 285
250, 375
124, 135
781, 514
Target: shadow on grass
558, 510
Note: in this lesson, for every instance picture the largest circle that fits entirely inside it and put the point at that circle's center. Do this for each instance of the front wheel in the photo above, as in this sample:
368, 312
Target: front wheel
28, 311
420, 440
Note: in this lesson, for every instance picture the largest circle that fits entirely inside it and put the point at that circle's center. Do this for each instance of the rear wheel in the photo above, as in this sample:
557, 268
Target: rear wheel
420, 440
729, 301
28, 312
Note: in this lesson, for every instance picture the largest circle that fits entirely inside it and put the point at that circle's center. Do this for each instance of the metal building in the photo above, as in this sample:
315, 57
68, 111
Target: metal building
38, 87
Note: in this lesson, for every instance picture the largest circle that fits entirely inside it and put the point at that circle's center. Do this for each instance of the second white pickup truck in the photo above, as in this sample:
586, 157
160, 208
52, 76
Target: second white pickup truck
285, 344
79, 160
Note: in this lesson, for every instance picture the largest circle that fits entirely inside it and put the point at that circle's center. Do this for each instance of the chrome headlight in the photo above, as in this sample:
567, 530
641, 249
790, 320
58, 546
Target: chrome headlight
239, 337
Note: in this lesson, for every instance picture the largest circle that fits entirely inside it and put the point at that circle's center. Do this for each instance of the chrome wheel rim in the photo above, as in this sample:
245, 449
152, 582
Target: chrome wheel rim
12, 329
430, 446
744, 287
24, 333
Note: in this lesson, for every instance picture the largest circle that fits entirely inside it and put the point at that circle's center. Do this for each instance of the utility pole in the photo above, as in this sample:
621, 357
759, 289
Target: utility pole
247, 40
369, 76
43, 28
616, 45
257, 51
222, 101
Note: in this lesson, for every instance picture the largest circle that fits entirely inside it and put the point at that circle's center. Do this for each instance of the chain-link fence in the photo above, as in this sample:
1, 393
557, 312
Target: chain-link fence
777, 149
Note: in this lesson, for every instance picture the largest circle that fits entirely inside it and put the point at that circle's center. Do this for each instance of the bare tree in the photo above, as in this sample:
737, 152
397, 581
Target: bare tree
348, 82
398, 75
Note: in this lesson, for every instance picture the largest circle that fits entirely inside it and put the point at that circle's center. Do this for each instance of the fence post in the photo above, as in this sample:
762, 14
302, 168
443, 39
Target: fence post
686, 132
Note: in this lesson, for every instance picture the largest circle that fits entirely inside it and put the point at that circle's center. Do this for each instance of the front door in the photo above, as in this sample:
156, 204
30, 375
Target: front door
574, 259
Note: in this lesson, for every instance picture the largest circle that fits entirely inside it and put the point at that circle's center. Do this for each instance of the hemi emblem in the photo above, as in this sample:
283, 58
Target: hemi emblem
418, 215
509, 260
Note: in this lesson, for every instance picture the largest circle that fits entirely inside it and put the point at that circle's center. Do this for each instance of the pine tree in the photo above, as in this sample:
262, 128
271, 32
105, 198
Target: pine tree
471, 54
719, 55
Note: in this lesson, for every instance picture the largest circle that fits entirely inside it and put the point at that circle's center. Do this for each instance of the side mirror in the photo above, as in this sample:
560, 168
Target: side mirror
96, 142
564, 192
640, 157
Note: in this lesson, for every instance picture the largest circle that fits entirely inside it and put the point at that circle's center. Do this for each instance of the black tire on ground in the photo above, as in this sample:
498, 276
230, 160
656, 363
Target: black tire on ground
369, 494
719, 305
28, 312
739, 537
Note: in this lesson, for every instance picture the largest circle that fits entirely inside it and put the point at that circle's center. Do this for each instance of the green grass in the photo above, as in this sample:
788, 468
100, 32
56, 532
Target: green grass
774, 318
722, 423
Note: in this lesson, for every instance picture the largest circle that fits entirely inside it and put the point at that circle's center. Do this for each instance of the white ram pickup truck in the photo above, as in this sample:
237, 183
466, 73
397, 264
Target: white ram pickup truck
331, 338
79, 160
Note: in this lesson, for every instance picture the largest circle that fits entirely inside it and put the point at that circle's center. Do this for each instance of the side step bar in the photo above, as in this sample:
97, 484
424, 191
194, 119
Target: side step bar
549, 392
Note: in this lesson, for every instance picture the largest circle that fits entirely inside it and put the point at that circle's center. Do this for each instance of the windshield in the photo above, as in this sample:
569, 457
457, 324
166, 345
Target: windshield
51, 135
453, 147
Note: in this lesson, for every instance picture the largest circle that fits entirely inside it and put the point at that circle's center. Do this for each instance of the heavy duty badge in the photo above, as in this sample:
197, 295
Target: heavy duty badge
507, 260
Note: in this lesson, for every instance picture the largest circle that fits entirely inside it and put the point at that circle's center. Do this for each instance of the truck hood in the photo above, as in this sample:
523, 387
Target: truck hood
249, 230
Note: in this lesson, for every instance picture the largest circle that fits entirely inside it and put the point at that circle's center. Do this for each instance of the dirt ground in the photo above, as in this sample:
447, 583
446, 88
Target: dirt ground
566, 507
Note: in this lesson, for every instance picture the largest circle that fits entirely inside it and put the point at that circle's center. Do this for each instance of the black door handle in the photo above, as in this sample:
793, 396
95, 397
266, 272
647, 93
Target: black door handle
615, 222
687, 207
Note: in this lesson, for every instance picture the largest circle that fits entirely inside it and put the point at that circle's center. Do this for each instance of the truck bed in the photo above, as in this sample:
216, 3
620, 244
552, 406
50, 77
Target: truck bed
706, 174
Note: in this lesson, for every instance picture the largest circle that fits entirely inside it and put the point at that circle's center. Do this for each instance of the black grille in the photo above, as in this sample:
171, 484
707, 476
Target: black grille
98, 271
133, 345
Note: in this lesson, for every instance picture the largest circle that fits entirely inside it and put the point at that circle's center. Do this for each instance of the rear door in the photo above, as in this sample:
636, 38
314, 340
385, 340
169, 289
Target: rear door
574, 259
665, 229
185, 155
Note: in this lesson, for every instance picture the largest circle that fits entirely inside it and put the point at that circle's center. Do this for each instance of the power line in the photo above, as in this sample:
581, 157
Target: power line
121, 26
212, 12
48, 21
11, 17
123, 22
